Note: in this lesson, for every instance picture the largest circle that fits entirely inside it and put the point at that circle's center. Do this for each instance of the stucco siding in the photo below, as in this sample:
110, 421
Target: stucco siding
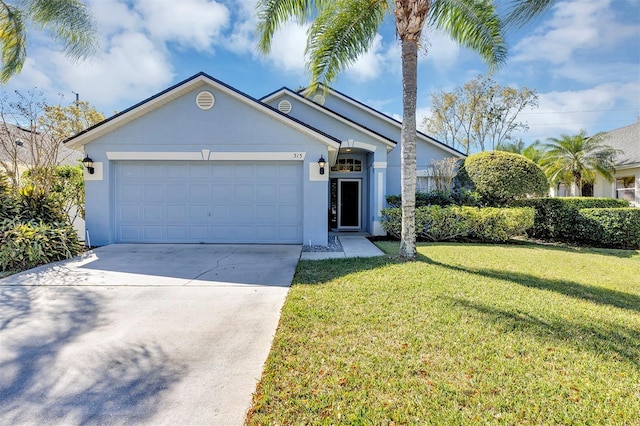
231, 126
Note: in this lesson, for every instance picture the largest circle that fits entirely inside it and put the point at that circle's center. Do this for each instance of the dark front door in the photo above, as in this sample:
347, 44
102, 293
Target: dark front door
349, 203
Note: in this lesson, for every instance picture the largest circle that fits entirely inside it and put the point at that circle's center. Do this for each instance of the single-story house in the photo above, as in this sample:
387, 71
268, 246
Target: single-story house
627, 176
202, 162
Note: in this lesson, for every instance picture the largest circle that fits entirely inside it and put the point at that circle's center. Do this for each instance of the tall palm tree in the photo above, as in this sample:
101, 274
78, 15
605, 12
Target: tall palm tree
342, 30
68, 21
577, 158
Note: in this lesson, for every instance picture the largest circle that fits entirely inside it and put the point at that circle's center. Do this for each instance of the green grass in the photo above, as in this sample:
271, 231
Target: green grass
468, 334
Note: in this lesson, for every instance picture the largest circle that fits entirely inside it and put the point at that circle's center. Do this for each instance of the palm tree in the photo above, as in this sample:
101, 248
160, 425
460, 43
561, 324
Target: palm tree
342, 30
577, 158
68, 21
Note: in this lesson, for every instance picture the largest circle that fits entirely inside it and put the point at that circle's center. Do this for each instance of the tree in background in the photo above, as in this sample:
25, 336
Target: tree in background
534, 152
480, 115
575, 159
67, 21
342, 30
32, 135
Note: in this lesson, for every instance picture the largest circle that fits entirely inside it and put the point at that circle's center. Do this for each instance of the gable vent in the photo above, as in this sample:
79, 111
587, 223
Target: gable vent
205, 100
284, 107
319, 99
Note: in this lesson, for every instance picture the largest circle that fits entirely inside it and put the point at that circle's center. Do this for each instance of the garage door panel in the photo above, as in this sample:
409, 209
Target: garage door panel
176, 212
153, 213
153, 171
198, 171
153, 192
223, 202
153, 233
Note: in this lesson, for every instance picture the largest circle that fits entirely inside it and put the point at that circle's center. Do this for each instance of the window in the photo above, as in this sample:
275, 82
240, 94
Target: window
347, 165
424, 184
626, 188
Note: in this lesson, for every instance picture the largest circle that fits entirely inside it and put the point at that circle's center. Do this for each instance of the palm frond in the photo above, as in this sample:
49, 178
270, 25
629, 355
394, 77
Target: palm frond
69, 21
473, 24
12, 41
273, 14
522, 11
341, 32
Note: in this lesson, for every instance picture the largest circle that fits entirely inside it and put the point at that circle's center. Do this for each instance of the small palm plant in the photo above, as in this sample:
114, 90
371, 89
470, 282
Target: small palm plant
576, 159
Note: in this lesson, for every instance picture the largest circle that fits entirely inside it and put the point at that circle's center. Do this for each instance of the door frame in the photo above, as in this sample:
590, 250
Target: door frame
359, 182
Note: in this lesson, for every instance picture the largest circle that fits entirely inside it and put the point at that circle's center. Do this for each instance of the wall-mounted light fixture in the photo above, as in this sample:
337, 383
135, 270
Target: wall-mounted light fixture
321, 164
88, 163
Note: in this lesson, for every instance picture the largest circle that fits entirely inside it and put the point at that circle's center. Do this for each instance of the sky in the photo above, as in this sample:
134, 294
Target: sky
582, 57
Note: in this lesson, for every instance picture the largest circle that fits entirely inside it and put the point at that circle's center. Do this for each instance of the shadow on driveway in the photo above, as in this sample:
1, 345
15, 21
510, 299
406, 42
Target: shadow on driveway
44, 380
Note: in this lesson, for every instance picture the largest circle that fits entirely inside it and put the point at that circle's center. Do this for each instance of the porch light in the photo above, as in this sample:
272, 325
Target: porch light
88, 163
321, 164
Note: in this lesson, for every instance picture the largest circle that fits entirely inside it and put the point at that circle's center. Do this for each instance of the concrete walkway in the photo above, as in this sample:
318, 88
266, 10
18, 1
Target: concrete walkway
352, 246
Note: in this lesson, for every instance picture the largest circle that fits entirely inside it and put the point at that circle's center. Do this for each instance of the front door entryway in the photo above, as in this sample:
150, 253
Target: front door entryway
349, 203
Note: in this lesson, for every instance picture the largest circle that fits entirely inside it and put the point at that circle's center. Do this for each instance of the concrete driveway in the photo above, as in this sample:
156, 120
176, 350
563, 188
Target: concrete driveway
141, 334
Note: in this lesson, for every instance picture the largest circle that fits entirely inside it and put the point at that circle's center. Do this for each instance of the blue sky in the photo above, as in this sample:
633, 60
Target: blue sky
582, 57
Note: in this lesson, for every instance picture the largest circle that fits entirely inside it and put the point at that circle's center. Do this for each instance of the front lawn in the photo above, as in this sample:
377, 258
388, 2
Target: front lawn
468, 334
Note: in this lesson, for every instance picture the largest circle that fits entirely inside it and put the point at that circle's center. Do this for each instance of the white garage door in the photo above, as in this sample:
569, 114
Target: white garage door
208, 202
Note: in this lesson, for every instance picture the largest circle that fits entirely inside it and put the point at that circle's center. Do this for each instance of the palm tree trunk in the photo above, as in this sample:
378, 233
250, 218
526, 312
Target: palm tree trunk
408, 147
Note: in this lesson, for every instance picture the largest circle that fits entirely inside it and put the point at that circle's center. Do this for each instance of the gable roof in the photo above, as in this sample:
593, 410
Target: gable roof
626, 139
397, 123
181, 88
285, 90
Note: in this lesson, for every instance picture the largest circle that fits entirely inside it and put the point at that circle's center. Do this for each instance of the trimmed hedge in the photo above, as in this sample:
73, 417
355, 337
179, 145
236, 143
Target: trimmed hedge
487, 224
556, 218
500, 177
615, 227
460, 197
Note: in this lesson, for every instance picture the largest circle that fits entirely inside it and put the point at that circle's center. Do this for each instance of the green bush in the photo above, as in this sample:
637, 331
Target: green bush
556, 218
437, 223
610, 227
500, 177
492, 224
29, 244
459, 197
40, 206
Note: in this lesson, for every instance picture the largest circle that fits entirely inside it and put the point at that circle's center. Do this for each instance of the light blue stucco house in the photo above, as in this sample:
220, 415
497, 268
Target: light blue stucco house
202, 162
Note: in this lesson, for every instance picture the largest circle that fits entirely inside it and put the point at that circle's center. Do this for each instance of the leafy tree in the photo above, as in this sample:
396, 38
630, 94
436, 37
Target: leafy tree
342, 30
32, 135
481, 114
500, 177
577, 158
67, 21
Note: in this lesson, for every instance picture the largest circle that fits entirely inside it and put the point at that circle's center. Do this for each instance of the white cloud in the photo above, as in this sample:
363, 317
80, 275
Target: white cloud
131, 68
241, 36
576, 25
193, 24
369, 65
439, 49
288, 46
571, 111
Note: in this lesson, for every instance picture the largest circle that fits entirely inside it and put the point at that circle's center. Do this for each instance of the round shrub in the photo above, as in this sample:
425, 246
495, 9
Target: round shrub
500, 177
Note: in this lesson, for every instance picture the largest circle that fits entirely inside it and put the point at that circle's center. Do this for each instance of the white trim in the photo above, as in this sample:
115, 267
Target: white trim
189, 86
330, 113
380, 193
356, 144
379, 165
154, 155
258, 156
423, 173
206, 154
359, 181
398, 124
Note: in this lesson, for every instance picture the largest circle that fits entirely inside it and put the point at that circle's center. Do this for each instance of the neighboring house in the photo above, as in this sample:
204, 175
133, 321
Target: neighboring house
202, 162
21, 148
627, 177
